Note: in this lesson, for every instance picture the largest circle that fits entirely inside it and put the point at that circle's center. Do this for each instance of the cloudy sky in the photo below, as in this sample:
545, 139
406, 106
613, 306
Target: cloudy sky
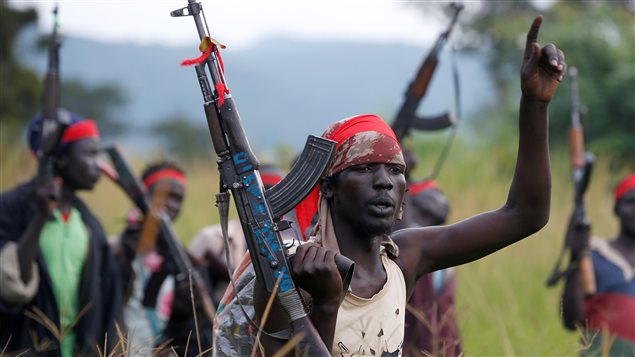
239, 23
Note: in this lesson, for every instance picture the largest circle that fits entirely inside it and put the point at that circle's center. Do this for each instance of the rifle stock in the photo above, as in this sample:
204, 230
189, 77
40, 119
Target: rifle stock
239, 174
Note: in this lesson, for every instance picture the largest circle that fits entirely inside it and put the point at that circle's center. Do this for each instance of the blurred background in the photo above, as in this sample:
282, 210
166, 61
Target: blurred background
295, 68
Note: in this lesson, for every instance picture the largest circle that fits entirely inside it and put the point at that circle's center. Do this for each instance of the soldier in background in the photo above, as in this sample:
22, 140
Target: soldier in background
608, 316
56, 265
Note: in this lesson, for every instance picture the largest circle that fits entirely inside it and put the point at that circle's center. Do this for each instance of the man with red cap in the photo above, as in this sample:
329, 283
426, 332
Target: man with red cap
151, 313
607, 316
361, 197
60, 293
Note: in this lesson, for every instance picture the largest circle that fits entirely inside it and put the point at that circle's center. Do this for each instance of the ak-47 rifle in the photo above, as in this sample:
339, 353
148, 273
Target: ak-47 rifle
407, 118
581, 169
123, 176
260, 211
54, 120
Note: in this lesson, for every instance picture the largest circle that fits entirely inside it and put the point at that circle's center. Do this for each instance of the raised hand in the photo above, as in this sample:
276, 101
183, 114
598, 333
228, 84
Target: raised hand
542, 68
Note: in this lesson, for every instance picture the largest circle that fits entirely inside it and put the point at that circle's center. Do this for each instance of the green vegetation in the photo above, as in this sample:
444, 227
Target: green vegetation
503, 305
597, 37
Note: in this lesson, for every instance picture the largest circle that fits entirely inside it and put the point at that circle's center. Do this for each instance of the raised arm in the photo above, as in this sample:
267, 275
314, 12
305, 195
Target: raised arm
527, 207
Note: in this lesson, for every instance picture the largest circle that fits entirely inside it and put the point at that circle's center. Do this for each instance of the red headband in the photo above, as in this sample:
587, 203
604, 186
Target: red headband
382, 146
80, 130
626, 185
419, 187
165, 174
359, 124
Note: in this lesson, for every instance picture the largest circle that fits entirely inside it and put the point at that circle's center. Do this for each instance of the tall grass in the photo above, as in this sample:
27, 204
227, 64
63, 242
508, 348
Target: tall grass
503, 305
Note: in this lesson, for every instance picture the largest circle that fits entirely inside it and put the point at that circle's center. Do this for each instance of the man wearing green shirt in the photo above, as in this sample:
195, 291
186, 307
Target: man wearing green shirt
60, 294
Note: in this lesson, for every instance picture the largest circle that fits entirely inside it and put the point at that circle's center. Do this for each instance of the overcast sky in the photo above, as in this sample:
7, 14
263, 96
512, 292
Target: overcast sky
239, 23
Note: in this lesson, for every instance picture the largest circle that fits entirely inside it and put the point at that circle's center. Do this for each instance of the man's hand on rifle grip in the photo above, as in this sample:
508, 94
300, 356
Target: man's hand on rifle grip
47, 192
315, 271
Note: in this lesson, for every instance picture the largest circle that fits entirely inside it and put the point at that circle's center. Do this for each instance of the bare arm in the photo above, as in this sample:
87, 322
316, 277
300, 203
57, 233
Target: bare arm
527, 206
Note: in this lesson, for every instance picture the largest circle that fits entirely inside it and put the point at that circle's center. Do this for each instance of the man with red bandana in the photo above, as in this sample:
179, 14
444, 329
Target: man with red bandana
608, 316
60, 293
149, 311
359, 200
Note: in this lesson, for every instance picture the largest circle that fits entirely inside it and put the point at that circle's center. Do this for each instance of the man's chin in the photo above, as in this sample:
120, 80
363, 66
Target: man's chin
377, 229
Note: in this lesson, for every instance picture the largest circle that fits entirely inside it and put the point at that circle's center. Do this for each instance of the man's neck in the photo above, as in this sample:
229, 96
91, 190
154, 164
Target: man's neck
66, 198
362, 248
625, 244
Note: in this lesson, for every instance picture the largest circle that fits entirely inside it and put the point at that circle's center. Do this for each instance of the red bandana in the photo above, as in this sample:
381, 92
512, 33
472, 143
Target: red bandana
418, 187
626, 185
165, 174
80, 130
360, 140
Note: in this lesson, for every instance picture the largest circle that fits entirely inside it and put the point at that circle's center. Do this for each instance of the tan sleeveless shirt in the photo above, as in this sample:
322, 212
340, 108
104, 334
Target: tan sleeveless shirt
375, 326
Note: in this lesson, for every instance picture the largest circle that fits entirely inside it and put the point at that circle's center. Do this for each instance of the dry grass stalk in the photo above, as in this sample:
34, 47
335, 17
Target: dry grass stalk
123, 344
40, 347
99, 352
265, 316
607, 341
40, 317
587, 337
189, 336
290, 345
198, 337
5, 347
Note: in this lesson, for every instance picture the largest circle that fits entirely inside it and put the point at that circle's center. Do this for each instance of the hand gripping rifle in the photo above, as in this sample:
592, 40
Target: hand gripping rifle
407, 118
260, 211
581, 168
54, 120
134, 189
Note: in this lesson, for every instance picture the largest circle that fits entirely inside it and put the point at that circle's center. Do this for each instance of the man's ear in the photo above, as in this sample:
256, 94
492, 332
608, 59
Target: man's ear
327, 188
61, 162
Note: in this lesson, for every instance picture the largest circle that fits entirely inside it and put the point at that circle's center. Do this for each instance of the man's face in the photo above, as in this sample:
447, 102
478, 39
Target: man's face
369, 196
174, 198
625, 211
78, 166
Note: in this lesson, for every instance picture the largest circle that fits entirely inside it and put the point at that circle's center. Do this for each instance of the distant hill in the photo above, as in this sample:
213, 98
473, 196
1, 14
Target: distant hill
285, 89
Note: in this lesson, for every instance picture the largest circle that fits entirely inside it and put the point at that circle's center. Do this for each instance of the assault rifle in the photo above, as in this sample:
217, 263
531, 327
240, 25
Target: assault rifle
581, 168
54, 120
407, 118
122, 175
260, 211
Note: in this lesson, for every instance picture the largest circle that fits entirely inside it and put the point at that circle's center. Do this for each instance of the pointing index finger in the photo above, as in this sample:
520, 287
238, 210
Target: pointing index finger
532, 35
